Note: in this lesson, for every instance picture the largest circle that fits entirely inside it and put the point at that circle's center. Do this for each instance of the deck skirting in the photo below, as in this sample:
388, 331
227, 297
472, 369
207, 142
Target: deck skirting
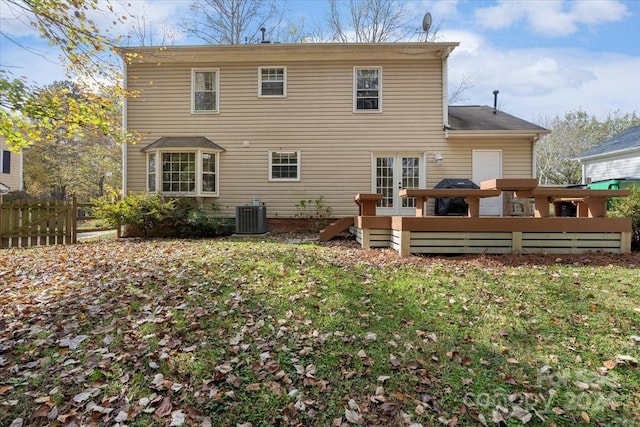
442, 235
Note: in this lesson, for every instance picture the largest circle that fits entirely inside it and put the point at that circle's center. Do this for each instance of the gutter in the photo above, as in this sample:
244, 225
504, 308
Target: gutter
452, 133
607, 154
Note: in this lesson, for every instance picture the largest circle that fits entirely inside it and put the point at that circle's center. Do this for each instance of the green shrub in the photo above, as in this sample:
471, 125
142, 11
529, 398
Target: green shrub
628, 207
144, 212
315, 211
154, 215
194, 222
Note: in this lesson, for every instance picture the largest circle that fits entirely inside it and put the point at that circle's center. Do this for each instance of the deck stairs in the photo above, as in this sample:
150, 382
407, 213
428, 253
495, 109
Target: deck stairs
335, 228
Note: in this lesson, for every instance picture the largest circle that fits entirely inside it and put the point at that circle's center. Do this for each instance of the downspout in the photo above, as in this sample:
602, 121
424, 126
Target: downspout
21, 171
445, 95
124, 129
534, 161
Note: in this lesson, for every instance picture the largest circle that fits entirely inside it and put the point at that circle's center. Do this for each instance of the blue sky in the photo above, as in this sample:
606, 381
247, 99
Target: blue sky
546, 57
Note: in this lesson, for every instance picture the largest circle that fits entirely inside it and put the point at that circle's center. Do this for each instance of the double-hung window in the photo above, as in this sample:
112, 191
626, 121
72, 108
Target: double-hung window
205, 83
367, 89
272, 81
284, 165
5, 161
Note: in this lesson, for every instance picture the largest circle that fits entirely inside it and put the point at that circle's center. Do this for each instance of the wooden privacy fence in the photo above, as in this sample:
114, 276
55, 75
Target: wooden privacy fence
32, 222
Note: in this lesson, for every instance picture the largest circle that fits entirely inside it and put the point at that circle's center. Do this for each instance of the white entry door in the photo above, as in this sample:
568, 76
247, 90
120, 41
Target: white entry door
393, 172
487, 164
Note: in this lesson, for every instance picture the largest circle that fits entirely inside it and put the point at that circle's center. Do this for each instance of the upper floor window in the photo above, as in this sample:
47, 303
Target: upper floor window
272, 81
204, 88
284, 165
367, 84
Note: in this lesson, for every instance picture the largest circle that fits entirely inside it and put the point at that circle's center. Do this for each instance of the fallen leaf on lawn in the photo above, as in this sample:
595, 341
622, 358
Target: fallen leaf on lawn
395, 363
158, 380
383, 378
225, 368
389, 408
609, 364
581, 385
165, 408
18, 422
512, 360
42, 411
497, 417
72, 343
5, 388
81, 397
177, 418
626, 358
371, 336
586, 417
635, 338
122, 416
521, 414
352, 416
253, 387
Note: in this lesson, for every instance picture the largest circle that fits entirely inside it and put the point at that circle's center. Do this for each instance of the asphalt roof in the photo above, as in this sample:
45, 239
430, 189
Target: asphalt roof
183, 142
482, 118
629, 139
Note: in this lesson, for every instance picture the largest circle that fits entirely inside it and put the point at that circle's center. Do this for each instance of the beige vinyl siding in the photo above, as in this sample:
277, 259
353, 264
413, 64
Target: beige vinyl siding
13, 180
316, 118
457, 153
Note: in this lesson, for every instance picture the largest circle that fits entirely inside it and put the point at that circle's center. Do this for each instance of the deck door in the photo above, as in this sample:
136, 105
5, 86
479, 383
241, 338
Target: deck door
393, 172
487, 164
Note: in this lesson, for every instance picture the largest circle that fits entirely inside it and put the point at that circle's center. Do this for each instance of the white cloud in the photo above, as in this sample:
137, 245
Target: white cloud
551, 18
537, 83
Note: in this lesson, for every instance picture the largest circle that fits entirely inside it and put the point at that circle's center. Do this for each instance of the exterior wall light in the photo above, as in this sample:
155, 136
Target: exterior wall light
438, 158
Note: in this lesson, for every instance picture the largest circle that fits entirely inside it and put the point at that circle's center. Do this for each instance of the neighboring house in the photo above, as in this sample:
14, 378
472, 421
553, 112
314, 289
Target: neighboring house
289, 122
617, 157
11, 178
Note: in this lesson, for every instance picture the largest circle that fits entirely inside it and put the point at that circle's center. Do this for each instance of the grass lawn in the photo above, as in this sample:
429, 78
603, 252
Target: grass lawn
264, 333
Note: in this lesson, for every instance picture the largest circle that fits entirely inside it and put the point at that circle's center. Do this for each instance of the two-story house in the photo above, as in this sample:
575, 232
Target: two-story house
10, 168
287, 122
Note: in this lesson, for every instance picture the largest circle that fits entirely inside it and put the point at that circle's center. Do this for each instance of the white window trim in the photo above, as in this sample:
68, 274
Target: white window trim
271, 179
355, 89
199, 173
284, 88
193, 90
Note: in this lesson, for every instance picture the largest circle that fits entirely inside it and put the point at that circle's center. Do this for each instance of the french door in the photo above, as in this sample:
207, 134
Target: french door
393, 172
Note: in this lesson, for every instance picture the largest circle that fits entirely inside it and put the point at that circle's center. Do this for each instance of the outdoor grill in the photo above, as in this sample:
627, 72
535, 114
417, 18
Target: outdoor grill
453, 206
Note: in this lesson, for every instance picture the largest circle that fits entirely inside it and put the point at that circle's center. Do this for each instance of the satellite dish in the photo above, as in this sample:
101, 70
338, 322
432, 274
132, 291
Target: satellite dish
426, 22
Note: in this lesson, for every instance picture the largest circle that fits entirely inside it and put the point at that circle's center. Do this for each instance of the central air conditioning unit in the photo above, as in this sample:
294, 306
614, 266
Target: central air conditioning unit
251, 219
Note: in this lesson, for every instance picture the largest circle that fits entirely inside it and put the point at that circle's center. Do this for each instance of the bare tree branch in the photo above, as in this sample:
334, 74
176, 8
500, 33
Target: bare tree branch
369, 21
233, 21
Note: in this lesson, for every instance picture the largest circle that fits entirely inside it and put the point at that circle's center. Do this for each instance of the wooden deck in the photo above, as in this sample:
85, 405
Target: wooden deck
590, 231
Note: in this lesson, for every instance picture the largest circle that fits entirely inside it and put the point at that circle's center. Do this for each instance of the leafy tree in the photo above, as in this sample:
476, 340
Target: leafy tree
572, 135
70, 158
234, 21
24, 118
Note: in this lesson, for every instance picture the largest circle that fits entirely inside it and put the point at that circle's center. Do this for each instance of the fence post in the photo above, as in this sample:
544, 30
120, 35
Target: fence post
74, 219
1, 221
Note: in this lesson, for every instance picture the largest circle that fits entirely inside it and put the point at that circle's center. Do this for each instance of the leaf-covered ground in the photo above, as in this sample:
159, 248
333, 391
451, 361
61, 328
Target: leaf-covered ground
264, 333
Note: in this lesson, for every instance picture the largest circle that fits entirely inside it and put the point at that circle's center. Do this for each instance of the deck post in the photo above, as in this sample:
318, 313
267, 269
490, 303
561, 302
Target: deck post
516, 242
405, 243
625, 242
366, 238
